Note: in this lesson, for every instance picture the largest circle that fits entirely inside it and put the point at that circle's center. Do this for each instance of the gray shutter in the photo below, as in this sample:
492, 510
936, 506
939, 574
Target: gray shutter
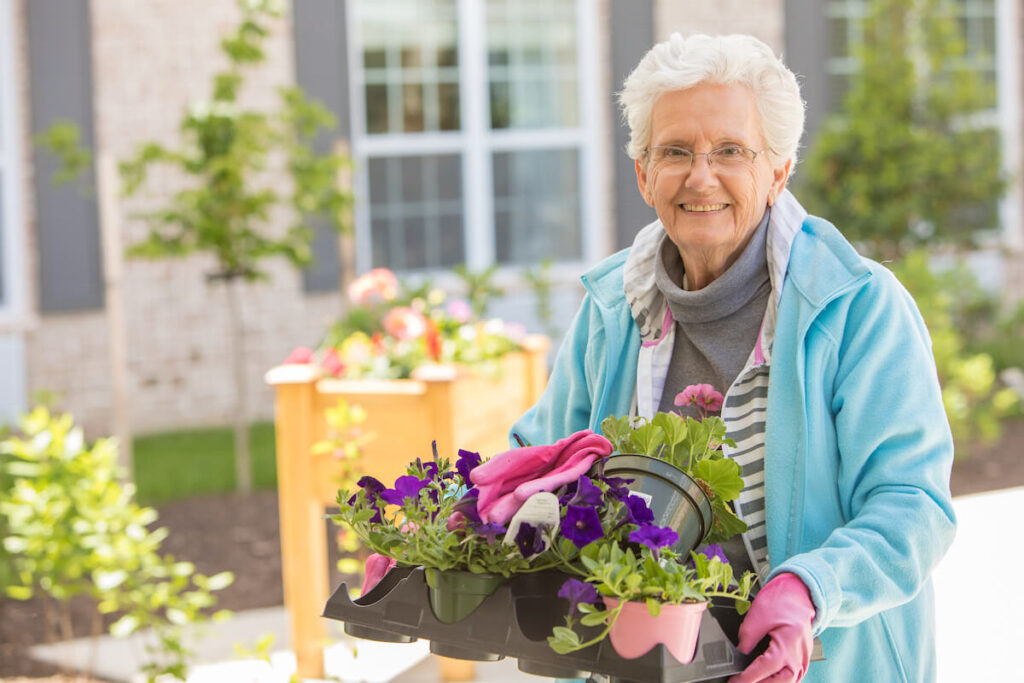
805, 55
321, 67
632, 35
67, 222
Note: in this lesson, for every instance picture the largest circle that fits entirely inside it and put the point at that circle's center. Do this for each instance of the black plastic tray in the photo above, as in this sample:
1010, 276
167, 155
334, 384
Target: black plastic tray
515, 621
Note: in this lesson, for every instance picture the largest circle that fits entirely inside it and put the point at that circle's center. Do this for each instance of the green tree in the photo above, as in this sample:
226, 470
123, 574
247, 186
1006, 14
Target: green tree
233, 199
904, 163
70, 528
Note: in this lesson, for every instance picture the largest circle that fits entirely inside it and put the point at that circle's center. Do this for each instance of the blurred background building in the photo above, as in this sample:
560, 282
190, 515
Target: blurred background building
483, 132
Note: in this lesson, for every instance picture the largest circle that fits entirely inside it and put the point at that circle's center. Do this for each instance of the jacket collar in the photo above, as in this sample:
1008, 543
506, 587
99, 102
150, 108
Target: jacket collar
803, 250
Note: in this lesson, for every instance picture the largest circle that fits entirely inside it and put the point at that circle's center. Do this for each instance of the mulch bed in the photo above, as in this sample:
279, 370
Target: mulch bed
240, 533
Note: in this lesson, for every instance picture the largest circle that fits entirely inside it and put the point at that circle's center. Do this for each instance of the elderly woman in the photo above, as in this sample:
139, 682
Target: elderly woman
830, 386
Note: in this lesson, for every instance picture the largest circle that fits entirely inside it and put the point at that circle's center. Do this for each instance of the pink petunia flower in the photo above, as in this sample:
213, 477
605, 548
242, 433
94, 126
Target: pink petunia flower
300, 355
460, 310
331, 363
377, 286
703, 396
404, 323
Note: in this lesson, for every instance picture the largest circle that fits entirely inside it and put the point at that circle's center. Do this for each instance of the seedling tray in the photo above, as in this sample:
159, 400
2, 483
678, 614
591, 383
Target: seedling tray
515, 621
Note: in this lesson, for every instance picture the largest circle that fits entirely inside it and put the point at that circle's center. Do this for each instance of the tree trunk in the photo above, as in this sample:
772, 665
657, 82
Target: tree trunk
243, 469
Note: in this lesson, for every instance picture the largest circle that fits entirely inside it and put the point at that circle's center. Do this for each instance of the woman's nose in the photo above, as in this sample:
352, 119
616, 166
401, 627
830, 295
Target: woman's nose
701, 174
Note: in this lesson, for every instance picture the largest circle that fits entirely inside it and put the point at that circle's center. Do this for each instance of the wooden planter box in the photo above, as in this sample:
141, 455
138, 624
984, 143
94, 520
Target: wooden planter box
454, 406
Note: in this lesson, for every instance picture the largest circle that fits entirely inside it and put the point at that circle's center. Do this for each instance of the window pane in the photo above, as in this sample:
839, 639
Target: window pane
536, 206
532, 69
410, 65
416, 211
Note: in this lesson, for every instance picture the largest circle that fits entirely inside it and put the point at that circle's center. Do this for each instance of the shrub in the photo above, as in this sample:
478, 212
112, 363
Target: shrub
72, 529
974, 403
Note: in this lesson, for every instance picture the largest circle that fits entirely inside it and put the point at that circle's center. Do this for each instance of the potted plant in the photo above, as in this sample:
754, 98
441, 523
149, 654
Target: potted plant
653, 587
465, 525
678, 464
650, 595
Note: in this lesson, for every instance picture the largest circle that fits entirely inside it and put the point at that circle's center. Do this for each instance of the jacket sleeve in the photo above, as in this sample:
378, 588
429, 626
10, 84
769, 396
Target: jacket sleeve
895, 454
565, 406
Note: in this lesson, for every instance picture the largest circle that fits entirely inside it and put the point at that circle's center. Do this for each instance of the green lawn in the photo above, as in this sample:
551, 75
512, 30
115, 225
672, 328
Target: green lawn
197, 462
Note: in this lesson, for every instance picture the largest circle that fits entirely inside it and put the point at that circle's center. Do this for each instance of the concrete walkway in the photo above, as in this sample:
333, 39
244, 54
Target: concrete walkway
979, 629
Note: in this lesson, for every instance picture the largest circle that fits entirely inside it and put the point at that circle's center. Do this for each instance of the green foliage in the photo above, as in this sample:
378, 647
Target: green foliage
72, 529
62, 139
417, 533
541, 283
902, 164
694, 446
197, 462
480, 287
228, 154
974, 403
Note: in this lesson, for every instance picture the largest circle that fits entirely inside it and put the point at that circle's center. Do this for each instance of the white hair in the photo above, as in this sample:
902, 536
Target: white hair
680, 63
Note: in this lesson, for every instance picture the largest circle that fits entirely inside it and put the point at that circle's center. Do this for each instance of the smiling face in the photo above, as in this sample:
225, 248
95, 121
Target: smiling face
709, 214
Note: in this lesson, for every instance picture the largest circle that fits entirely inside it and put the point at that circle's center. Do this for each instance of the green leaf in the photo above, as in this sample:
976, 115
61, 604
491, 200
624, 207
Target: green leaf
125, 626
726, 524
108, 580
595, 618
19, 592
723, 476
220, 581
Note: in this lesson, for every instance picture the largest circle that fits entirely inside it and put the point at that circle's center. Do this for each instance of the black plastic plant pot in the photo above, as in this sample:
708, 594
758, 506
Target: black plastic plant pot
454, 595
676, 499
379, 635
453, 651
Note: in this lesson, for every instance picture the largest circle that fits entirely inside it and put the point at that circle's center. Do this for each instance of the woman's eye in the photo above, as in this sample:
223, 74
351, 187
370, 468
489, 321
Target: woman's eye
731, 151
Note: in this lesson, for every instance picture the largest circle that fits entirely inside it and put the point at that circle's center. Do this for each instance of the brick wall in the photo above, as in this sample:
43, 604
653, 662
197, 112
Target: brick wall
762, 19
149, 60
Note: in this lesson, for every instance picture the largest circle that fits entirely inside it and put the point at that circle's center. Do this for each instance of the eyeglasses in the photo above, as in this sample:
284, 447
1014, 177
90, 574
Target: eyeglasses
727, 159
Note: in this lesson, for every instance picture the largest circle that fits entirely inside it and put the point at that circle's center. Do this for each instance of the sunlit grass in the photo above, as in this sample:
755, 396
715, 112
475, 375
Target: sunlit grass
196, 462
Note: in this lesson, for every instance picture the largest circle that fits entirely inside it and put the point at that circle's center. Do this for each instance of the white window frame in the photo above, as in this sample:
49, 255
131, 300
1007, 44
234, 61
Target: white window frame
475, 142
1009, 96
13, 306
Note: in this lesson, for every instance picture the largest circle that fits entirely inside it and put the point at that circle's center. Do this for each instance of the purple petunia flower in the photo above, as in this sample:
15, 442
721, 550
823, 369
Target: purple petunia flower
428, 468
468, 460
586, 493
576, 592
581, 525
714, 550
530, 539
490, 531
617, 487
467, 506
654, 537
373, 489
406, 487
638, 511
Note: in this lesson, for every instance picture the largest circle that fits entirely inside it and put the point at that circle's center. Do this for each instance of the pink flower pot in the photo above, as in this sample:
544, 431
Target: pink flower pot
636, 632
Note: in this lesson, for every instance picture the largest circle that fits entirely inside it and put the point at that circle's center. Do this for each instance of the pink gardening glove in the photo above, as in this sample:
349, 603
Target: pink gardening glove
508, 479
376, 567
782, 610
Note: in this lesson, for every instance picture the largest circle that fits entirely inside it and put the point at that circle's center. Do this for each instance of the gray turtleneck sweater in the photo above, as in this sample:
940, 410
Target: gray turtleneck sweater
716, 327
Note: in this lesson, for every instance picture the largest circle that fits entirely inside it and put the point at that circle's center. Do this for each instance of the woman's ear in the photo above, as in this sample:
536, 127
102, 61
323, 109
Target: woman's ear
779, 178
642, 182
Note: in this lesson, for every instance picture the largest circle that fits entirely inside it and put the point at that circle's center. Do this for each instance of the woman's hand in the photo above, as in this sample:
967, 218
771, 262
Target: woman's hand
782, 610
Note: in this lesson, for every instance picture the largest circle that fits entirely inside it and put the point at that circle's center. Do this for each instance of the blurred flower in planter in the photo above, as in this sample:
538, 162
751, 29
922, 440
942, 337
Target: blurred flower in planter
389, 331
378, 286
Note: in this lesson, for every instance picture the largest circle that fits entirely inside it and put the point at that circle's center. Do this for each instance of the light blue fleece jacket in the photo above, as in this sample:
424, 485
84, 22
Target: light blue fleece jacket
858, 450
